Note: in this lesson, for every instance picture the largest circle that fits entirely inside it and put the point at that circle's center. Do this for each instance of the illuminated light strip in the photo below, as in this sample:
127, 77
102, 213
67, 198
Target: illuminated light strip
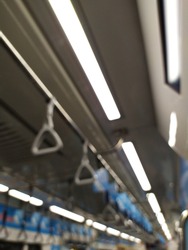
113, 231
136, 165
132, 238
160, 218
67, 214
19, 195
124, 236
99, 226
172, 129
72, 27
153, 203
3, 188
35, 201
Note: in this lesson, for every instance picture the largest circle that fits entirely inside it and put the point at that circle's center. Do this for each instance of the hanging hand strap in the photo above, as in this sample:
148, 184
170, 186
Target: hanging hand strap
3, 230
110, 211
48, 127
85, 164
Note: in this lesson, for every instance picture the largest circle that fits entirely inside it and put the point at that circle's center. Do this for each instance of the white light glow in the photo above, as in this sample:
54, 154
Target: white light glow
113, 231
137, 240
172, 129
161, 218
89, 222
165, 227
67, 214
99, 226
172, 39
136, 165
153, 203
72, 27
124, 236
3, 188
36, 202
166, 231
132, 238
168, 235
19, 195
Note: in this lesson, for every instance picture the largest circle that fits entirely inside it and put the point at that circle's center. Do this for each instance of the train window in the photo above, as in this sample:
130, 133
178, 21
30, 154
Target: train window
170, 33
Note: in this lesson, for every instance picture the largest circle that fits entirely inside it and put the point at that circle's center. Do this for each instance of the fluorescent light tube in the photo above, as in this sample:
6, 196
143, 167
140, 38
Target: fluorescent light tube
19, 195
168, 235
124, 236
160, 218
172, 129
72, 27
171, 19
67, 214
165, 227
113, 231
136, 165
153, 203
137, 240
99, 226
36, 202
132, 238
3, 188
166, 231
89, 222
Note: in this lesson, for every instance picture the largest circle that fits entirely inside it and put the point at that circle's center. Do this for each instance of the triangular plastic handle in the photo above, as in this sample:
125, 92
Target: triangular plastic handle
84, 165
110, 210
39, 139
22, 236
38, 238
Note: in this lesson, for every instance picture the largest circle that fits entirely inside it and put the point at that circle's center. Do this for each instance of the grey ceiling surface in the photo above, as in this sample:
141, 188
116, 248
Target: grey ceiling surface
113, 29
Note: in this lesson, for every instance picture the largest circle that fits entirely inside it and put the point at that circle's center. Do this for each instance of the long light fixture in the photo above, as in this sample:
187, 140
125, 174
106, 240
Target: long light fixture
129, 237
19, 195
172, 129
99, 226
160, 218
171, 19
67, 214
124, 236
72, 27
136, 165
35, 201
153, 203
137, 240
132, 238
112, 231
3, 188
166, 231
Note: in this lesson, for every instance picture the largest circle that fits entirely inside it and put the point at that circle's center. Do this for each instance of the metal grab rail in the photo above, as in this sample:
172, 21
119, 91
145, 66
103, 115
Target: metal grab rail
48, 127
85, 164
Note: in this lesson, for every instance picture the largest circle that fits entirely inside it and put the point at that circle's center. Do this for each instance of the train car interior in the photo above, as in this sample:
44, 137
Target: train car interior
93, 124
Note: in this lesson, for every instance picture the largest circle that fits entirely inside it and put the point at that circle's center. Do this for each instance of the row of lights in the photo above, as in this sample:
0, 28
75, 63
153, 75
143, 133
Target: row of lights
112, 231
138, 169
94, 224
21, 196
67, 214
157, 210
